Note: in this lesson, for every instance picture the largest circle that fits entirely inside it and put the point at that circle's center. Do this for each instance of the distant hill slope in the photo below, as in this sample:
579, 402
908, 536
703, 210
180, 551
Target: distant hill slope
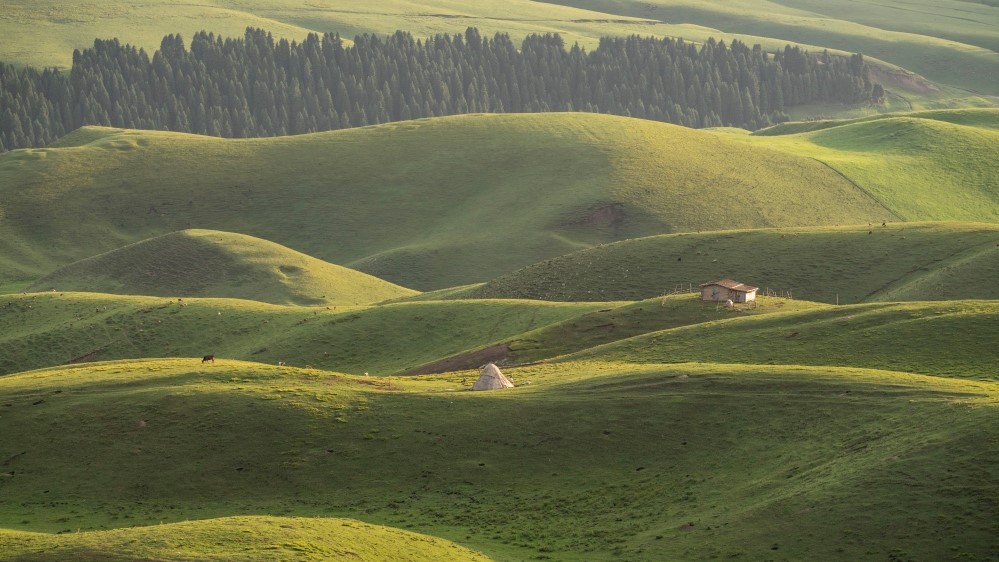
594, 461
928, 165
252, 537
935, 338
208, 263
900, 261
948, 41
44, 329
426, 204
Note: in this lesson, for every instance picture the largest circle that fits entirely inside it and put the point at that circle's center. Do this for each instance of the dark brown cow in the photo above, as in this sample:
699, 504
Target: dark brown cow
208, 358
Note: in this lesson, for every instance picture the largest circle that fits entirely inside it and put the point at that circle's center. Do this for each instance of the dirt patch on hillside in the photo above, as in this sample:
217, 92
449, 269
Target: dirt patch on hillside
473, 360
608, 215
902, 79
85, 358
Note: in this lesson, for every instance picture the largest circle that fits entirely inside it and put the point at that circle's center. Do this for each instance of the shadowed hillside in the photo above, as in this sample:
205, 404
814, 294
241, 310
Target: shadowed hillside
941, 338
44, 329
598, 461
899, 261
425, 204
206, 263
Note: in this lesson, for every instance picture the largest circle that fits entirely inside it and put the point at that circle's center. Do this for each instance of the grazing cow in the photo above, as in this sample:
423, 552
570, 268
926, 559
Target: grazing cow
208, 358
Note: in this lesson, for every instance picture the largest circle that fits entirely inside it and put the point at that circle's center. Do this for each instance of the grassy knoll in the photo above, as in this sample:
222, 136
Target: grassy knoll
426, 204
951, 338
44, 329
613, 323
901, 261
951, 41
236, 538
593, 461
936, 165
208, 263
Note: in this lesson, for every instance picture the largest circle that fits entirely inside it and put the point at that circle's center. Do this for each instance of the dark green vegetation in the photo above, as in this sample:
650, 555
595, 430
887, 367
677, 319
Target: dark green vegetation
592, 461
209, 263
254, 86
899, 261
425, 204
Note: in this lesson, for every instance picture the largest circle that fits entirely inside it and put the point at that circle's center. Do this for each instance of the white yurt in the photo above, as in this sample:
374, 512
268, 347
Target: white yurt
491, 378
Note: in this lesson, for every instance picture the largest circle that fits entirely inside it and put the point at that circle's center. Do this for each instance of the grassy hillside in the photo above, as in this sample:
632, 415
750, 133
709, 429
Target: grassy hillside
945, 339
40, 330
45, 32
236, 538
950, 41
592, 461
208, 263
900, 261
936, 165
426, 204
609, 324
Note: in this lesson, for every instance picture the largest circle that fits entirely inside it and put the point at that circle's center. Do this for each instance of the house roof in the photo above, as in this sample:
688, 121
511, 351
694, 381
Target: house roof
732, 285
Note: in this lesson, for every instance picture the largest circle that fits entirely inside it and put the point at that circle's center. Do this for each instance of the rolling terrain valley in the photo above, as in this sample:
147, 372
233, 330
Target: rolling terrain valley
565, 280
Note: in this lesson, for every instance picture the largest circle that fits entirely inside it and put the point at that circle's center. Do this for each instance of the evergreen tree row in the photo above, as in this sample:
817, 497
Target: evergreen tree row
255, 86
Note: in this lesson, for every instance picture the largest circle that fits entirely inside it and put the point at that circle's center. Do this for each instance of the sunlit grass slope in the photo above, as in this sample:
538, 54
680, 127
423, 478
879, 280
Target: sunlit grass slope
592, 461
236, 538
952, 338
426, 204
937, 165
209, 263
45, 32
949, 41
40, 330
900, 261
611, 323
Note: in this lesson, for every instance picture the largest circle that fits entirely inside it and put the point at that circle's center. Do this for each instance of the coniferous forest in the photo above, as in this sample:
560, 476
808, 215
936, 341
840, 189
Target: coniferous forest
255, 86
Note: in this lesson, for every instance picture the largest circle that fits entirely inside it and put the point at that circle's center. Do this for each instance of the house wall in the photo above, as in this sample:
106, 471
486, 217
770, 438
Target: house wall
707, 293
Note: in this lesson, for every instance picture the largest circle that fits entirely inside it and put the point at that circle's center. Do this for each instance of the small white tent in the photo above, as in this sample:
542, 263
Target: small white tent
491, 378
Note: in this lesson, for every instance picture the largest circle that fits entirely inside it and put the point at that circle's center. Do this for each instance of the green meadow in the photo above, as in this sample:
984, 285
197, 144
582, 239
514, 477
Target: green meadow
207, 263
591, 461
425, 204
846, 265
460, 212
350, 284
952, 42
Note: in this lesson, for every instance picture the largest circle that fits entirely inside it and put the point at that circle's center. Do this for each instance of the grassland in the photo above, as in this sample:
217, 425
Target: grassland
208, 263
44, 33
236, 538
425, 204
38, 330
951, 41
900, 261
943, 339
592, 461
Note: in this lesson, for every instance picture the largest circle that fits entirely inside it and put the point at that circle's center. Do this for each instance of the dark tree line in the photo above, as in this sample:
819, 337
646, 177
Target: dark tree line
255, 86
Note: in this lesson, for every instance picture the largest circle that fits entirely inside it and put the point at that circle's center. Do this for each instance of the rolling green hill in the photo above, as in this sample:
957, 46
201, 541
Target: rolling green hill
426, 204
953, 42
945, 339
207, 263
236, 538
45, 329
44, 32
594, 461
900, 261
936, 165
